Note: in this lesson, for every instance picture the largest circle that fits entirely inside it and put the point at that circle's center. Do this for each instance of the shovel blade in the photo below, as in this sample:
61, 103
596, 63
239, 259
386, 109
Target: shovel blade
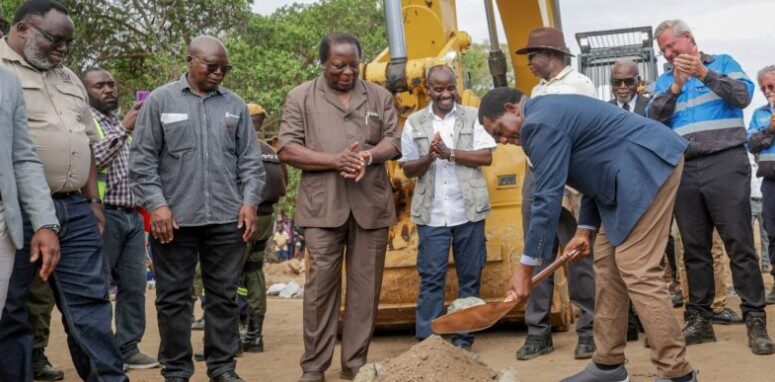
472, 319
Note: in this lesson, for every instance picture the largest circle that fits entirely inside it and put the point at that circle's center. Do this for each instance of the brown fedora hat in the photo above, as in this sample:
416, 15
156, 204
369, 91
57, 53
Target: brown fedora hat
545, 38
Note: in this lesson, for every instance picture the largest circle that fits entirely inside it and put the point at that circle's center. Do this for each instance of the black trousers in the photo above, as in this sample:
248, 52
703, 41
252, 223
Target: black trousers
220, 250
715, 191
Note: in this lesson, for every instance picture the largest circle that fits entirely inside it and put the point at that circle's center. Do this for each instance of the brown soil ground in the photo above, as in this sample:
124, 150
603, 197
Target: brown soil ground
729, 359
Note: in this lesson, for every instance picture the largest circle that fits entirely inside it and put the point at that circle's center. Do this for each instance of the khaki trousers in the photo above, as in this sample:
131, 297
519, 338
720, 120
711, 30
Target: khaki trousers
633, 272
720, 264
364, 254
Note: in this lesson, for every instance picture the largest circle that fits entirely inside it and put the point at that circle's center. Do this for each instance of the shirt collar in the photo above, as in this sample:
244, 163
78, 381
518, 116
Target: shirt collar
183, 84
452, 113
564, 72
631, 102
101, 115
8, 54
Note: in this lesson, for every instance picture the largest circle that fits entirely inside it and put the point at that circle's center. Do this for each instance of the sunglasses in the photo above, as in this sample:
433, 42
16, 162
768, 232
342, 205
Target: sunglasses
212, 68
55, 41
768, 87
616, 82
534, 53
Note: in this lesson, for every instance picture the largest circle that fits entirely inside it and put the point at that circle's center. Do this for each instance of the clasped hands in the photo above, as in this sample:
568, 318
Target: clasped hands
685, 66
438, 149
352, 163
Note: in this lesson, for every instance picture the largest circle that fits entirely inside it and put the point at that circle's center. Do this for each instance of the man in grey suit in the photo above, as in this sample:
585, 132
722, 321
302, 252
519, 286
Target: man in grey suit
22, 181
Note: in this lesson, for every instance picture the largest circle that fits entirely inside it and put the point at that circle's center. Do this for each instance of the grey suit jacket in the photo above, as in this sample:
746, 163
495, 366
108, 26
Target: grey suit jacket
22, 183
640, 104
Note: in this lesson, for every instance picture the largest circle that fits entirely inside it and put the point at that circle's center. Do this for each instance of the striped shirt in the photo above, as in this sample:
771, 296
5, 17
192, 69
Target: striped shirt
709, 113
112, 152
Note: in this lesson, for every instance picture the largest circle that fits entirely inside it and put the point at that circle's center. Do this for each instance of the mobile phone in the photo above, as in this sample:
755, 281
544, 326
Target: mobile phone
141, 95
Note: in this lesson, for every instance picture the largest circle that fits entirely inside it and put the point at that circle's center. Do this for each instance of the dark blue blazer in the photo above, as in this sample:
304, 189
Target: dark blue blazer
617, 159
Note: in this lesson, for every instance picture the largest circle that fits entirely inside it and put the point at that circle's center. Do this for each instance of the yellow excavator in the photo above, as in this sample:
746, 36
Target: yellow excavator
423, 33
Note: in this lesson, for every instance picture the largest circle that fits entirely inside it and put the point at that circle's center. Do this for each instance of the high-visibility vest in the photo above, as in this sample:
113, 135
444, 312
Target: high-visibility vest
102, 176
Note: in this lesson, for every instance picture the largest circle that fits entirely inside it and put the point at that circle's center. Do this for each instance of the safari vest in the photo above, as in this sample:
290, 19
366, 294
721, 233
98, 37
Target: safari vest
471, 180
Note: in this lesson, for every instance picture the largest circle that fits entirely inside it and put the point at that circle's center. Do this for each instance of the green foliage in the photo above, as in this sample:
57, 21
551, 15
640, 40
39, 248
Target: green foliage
476, 72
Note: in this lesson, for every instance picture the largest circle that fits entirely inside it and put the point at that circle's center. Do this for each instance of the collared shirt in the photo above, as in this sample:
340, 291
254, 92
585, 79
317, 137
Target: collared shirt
448, 207
197, 155
567, 81
112, 152
58, 120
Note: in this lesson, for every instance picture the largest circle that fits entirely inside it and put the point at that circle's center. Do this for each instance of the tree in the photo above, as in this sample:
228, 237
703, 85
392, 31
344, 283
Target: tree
476, 72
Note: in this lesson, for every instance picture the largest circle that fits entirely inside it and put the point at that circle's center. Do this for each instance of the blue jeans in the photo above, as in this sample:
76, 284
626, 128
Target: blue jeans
81, 293
469, 252
124, 253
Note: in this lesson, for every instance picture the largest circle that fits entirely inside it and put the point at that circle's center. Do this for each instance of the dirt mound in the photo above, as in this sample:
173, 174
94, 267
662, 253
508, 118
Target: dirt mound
284, 272
435, 360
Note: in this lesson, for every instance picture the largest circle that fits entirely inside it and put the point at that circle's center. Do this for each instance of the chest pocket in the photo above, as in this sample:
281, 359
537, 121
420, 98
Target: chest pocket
71, 99
229, 125
179, 136
35, 99
465, 140
422, 140
373, 128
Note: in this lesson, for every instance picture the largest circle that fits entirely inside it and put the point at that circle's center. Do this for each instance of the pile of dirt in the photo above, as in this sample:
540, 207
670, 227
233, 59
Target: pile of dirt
435, 360
284, 272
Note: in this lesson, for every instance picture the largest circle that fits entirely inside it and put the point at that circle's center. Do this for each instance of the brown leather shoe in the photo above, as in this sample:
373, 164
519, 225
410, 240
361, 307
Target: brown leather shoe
312, 376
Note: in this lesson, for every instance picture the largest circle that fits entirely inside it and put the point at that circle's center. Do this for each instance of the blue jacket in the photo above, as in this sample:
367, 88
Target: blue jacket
617, 159
760, 141
709, 113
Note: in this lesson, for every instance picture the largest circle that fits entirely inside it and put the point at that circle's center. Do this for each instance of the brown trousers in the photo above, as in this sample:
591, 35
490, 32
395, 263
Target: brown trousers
633, 272
364, 254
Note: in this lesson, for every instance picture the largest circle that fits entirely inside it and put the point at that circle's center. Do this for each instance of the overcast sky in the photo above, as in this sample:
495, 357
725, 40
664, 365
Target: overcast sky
744, 29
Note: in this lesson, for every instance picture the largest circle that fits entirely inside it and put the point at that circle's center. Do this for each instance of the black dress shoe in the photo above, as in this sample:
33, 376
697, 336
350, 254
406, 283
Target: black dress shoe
678, 299
229, 376
758, 340
42, 369
726, 317
697, 329
535, 345
585, 349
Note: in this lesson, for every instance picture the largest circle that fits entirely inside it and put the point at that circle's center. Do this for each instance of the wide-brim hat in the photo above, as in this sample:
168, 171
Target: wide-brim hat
545, 38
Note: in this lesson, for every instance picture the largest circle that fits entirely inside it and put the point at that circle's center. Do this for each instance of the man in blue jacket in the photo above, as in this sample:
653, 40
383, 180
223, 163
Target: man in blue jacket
761, 133
702, 99
628, 168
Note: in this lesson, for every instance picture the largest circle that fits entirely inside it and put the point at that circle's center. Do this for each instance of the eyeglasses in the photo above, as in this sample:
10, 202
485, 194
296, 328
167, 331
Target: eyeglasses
212, 68
768, 87
55, 41
616, 82
534, 53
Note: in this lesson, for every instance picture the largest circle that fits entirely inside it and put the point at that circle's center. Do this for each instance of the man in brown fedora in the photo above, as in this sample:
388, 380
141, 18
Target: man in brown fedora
547, 56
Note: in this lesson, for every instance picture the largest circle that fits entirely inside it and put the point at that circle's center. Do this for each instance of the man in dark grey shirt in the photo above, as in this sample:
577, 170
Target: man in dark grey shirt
196, 165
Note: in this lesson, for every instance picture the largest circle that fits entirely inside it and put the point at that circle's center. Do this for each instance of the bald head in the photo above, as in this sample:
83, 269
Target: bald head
208, 63
624, 80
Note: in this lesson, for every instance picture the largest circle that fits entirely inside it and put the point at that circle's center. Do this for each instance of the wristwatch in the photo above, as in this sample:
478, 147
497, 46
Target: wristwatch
53, 227
94, 200
452, 155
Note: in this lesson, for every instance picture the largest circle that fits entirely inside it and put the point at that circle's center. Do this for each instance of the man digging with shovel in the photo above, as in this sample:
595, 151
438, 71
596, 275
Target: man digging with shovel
628, 168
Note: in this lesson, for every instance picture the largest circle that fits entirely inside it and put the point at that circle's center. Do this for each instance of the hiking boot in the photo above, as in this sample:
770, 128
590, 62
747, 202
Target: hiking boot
42, 369
198, 324
592, 373
585, 349
535, 345
678, 299
771, 296
693, 379
199, 355
726, 317
139, 361
229, 376
758, 340
697, 329
254, 341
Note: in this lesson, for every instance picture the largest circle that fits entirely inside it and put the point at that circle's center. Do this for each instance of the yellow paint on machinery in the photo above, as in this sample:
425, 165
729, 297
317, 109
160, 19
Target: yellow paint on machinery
432, 38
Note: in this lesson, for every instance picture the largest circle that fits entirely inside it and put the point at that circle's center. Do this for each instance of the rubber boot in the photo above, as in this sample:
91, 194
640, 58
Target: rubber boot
254, 341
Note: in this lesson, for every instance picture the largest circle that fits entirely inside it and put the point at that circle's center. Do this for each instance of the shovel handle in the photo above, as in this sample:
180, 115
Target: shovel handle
553, 266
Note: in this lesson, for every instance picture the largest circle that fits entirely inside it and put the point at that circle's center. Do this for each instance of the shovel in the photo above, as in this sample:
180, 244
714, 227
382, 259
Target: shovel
481, 317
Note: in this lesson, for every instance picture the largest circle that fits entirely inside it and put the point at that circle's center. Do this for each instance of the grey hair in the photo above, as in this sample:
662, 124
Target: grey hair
765, 70
678, 27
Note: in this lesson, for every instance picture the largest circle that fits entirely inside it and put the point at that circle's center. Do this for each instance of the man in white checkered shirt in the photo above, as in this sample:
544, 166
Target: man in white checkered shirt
124, 238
